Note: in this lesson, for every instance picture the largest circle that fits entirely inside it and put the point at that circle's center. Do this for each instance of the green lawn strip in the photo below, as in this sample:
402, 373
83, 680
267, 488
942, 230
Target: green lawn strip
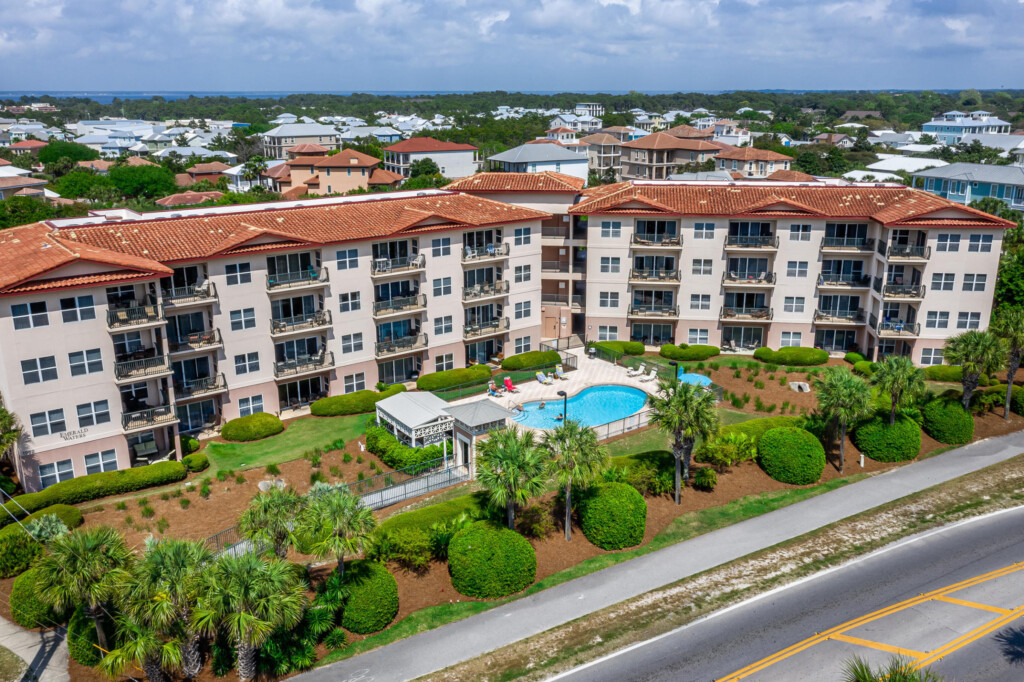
11, 665
638, 441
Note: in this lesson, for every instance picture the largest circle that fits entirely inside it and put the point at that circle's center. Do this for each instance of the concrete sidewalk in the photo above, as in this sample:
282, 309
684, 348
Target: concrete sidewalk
444, 646
46, 653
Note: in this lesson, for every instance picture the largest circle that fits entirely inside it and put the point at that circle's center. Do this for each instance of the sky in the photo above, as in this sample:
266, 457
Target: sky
535, 45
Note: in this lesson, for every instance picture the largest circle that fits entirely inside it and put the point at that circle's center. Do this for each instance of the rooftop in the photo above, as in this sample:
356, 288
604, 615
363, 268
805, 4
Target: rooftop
547, 182
427, 144
752, 154
538, 153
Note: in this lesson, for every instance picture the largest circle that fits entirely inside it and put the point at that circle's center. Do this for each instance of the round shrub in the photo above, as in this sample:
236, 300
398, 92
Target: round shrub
26, 608
947, 422
613, 516
684, 353
196, 462
352, 403
865, 368
188, 444
82, 640
706, 478
488, 562
373, 597
853, 357
252, 427
793, 356
456, 377
17, 550
883, 443
533, 358
950, 373
791, 455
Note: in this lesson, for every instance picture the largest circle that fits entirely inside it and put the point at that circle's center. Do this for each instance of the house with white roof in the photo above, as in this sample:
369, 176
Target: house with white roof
967, 182
950, 127
536, 158
580, 124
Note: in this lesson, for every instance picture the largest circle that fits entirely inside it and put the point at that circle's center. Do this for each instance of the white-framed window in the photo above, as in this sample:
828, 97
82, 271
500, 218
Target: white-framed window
30, 315
796, 268
968, 321
441, 246
442, 286
521, 236
701, 266
700, 301
981, 243
443, 363
250, 405
791, 338
799, 233
937, 319
931, 356
85, 362
47, 423
609, 264
943, 281
793, 304
948, 242
522, 273
703, 230
352, 343
975, 282
523, 310
523, 345
243, 319
38, 370
611, 229
55, 472
697, 336
608, 299
443, 325
355, 382
348, 259
91, 414
77, 308
99, 462
349, 301
247, 363
607, 333
238, 273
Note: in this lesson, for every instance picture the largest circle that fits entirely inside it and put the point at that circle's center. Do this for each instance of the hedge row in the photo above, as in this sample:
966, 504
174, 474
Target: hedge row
684, 353
948, 422
488, 562
793, 356
252, 427
71, 516
535, 358
27, 609
791, 455
952, 374
353, 403
373, 597
755, 428
435, 381
883, 443
621, 347
396, 455
613, 516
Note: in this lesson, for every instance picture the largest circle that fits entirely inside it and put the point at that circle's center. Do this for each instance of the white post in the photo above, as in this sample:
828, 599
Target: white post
444, 446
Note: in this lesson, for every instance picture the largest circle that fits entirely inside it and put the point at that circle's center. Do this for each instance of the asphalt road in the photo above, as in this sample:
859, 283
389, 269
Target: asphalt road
714, 648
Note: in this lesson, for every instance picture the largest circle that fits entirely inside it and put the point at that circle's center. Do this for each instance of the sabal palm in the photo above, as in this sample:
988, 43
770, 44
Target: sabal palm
10, 432
843, 399
687, 412
512, 469
269, 520
977, 353
897, 376
85, 566
896, 670
1008, 325
335, 524
141, 646
248, 598
576, 458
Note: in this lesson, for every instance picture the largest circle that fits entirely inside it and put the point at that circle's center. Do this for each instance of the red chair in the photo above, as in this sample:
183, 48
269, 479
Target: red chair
509, 386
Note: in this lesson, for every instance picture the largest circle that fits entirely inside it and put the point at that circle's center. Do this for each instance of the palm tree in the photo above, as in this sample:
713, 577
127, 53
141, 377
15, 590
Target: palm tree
977, 353
1007, 325
253, 169
141, 646
164, 589
897, 376
896, 670
511, 468
334, 524
10, 432
86, 566
268, 520
843, 399
576, 457
687, 412
248, 598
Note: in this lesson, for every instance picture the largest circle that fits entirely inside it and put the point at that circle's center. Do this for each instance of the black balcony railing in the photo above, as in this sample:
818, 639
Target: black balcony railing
832, 279
299, 278
205, 293
135, 313
903, 291
654, 274
406, 304
656, 239
385, 266
209, 338
303, 364
471, 253
891, 328
747, 313
312, 320
149, 418
743, 277
485, 290
561, 299
654, 310
557, 231
912, 252
400, 345
142, 367
495, 326
762, 241
194, 388
849, 243
839, 315
554, 266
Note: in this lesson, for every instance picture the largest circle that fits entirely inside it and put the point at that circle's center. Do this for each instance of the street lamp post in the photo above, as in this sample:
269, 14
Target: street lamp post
565, 404
675, 371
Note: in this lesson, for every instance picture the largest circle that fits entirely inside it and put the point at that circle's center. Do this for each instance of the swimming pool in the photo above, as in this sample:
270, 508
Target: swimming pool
695, 379
592, 407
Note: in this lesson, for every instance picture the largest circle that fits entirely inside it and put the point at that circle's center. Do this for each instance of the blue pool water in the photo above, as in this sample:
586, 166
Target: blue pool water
592, 407
695, 379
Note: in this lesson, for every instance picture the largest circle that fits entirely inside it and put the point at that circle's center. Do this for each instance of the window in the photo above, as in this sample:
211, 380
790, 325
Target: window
968, 321
522, 273
441, 246
943, 281
701, 266
522, 310
55, 473
703, 231
981, 243
607, 333
609, 264
85, 362
247, 363
238, 273
975, 282
77, 308
443, 286
355, 382
47, 423
937, 319
39, 369
608, 299
351, 343
91, 414
348, 302
791, 338
697, 336
611, 230
700, 301
29, 315
100, 462
443, 325
521, 236
251, 405
799, 233
793, 304
523, 345
948, 242
796, 268
443, 363
348, 259
931, 356
129, 342
243, 319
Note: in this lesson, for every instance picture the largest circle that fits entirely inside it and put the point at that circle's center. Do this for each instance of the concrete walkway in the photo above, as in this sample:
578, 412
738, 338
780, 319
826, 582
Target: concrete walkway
442, 647
46, 653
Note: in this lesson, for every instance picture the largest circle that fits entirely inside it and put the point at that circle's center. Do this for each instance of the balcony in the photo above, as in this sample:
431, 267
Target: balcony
844, 281
895, 328
400, 306
183, 297
133, 422
664, 241
839, 316
134, 314
142, 368
309, 278
554, 266
848, 244
654, 275
561, 299
654, 310
475, 331
384, 267
482, 291
477, 254
199, 388
757, 242
904, 291
908, 253
754, 313
554, 232
305, 364
405, 344
749, 279
196, 341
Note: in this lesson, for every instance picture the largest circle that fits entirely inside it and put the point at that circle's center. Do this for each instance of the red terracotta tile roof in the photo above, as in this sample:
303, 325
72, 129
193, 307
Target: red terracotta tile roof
752, 154
113, 277
295, 192
303, 161
790, 176
381, 176
428, 144
212, 167
560, 129
98, 165
313, 180
667, 141
4, 162
546, 182
690, 132
308, 148
188, 198
29, 144
277, 172
20, 181
138, 161
600, 138
347, 158
183, 179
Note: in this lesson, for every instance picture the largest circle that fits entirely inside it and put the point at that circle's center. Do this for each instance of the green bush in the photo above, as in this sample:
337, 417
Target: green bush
82, 640
883, 443
197, 461
755, 428
684, 353
435, 381
17, 551
613, 516
1017, 400
26, 608
865, 368
793, 356
352, 403
488, 562
408, 547
373, 597
621, 347
252, 427
952, 374
7, 484
791, 455
71, 517
536, 358
705, 478
853, 358
947, 422
396, 455
188, 444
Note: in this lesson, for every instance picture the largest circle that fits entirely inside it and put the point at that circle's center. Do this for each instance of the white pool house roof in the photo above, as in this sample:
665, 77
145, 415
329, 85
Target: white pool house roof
421, 418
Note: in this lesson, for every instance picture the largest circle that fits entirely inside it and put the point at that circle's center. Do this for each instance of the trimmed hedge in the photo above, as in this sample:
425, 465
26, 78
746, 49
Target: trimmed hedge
621, 347
71, 517
373, 597
791, 455
534, 358
883, 443
197, 461
253, 427
352, 403
17, 551
947, 422
613, 516
188, 444
755, 428
684, 353
853, 357
435, 381
82, 640
952, 374
793, 356
488, 562
396, 455
865, 368
26, 608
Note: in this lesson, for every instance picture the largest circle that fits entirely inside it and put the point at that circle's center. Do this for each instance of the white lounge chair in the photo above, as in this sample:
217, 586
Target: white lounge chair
637, 371
650, 377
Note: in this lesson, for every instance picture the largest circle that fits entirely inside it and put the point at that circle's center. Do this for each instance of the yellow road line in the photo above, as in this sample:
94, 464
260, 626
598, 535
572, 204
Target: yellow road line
910, 653
972, 636
973, 605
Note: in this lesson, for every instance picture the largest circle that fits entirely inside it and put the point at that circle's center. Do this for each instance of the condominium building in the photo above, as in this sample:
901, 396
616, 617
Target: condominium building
659, 155
455, 160
277, 141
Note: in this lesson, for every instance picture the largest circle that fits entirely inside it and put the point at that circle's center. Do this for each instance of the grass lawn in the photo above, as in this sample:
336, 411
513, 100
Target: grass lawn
655, 439
300, 436
11, 666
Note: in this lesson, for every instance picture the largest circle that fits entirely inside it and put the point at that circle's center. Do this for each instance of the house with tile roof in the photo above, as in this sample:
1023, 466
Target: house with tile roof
278, 140
751, 162
604, 152
456, 160
658, 155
